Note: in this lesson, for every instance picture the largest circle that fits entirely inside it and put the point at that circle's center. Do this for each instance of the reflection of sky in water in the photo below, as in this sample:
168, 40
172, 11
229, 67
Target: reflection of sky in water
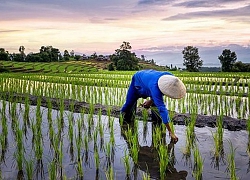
204, 141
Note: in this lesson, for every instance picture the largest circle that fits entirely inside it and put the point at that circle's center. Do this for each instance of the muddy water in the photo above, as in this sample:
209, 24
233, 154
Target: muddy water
180, 169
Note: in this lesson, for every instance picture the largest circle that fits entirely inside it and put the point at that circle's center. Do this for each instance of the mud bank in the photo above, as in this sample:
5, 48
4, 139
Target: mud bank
232, 124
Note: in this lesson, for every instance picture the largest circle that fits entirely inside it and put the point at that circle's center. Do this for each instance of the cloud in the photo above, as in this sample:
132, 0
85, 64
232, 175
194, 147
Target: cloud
205, 3
155, 2
8, 31
223, 13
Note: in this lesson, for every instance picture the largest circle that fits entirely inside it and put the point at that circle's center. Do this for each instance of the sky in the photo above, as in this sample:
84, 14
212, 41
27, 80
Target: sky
158, 29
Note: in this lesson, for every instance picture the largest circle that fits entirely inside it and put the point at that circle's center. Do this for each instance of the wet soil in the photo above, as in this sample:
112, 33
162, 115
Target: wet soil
232, 124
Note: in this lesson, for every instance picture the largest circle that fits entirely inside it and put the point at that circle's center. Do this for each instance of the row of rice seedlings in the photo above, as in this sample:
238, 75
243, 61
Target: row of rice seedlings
163, 160
29, 164
190, 135
126, 162
146, 176
131, 136
248, 130
92, 94
78, 140
218, 141
231, 162
198, 163
4, 134
19, 154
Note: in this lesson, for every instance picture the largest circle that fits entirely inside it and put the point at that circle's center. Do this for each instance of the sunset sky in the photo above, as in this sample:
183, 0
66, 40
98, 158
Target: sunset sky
100, 26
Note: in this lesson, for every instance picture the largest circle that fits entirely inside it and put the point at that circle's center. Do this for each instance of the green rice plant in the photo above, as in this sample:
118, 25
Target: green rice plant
38, 144
157, 137
4, 134
145, 114
86, 141
231, 163
198, 164
79, 169
134, 149
19, 154
163, 160
126, 162
52, 170
27, 110
146, 176
78, 143
111, 129
248, 130
97, 159
29, 169
71, 129
218, 140
110, 173
95, 138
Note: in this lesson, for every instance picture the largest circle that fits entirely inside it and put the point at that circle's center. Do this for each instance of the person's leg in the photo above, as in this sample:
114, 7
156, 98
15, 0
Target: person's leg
128, 110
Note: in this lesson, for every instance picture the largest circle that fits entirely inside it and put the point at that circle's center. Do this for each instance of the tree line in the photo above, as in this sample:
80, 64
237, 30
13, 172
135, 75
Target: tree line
124, 59
193, 62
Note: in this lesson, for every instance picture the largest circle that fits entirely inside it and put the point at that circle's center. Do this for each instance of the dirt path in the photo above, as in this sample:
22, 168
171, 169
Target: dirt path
229, 123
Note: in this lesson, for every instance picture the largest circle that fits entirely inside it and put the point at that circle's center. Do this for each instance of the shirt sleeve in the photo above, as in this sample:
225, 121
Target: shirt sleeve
157, 97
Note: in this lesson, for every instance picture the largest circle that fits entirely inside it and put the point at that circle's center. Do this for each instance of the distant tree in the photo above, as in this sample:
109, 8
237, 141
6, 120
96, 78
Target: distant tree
124, 59
34, 57
49, 54
227, 60
93, 56
21, 50
143, 57
241, 67
72, 53
4, 56
77, 57
192, 59
111, 67
18, 57
66, 55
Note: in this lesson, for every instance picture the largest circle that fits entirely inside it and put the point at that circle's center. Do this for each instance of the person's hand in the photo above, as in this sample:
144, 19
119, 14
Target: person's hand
174, 138
147, 103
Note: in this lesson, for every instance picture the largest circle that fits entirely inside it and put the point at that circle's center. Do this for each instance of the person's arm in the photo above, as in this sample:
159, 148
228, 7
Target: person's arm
171, 133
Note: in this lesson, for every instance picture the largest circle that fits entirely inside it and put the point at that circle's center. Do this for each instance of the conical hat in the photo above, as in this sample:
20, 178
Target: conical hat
172, 86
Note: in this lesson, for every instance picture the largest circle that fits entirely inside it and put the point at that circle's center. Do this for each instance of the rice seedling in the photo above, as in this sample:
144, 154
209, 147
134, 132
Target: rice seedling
20, 149
29, 167
248, 130
126, 162
95, 138
52, 170
79, 168
38, 144
158, 136
163, 160
146, 176
70, 129
231, 162
198, 164
218, 141
86, 146
110, 173
97, 159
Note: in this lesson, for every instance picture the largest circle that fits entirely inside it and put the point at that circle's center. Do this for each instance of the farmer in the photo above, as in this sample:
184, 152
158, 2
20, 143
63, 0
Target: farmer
153, 84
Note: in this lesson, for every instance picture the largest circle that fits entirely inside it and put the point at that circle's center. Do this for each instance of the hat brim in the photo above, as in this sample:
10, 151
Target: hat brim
172, 86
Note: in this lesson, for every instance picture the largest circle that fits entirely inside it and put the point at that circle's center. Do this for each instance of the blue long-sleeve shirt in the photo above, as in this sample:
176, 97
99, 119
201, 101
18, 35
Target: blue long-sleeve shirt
145, 84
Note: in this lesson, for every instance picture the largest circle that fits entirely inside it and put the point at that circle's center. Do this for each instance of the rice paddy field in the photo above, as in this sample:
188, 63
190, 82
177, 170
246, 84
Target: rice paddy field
39, 142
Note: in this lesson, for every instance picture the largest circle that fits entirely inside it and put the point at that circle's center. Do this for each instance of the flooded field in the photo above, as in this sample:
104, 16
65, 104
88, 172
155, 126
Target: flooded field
43, 143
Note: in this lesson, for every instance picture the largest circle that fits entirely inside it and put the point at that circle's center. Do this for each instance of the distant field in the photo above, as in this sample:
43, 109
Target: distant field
63, 67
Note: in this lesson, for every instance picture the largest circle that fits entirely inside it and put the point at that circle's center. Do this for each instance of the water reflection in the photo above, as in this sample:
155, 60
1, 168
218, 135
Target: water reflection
148, 159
